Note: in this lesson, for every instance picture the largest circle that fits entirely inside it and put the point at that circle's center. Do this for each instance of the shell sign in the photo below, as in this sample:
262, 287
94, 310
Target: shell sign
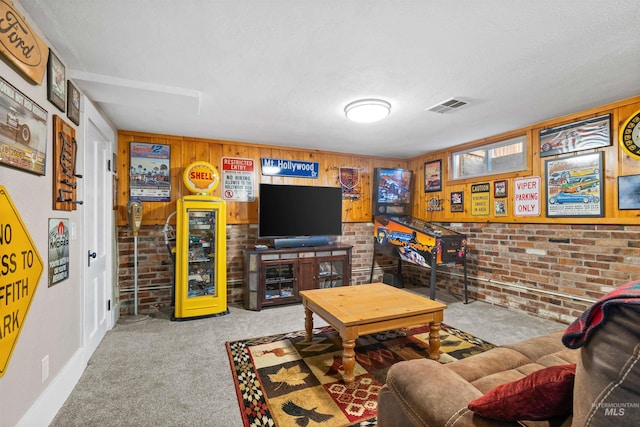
20, 271
201, 177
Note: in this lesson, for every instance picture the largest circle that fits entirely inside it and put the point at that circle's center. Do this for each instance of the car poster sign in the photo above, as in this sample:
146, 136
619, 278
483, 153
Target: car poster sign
574, 186
149, 170
583, 135
23, 131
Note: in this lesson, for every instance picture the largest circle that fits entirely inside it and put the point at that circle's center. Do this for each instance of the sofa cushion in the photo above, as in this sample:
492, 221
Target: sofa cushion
535, 348
493, 361
544, 394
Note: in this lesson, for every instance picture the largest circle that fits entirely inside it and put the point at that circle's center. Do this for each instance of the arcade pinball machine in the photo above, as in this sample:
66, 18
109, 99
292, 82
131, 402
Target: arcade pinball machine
406, 238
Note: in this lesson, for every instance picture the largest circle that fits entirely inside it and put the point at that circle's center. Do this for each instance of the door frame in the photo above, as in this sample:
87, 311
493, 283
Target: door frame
92, 117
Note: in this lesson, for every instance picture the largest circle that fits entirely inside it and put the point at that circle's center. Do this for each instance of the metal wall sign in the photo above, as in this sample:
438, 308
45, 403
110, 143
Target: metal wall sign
58, 250
296, 168
480, 199
20, 271
238, 179
630, 135
526, 196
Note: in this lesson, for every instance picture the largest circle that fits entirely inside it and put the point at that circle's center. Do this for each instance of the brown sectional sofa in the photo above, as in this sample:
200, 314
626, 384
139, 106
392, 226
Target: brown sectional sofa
607, 379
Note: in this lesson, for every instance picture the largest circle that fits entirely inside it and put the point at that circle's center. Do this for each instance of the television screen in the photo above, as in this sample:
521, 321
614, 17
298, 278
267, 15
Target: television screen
297, 211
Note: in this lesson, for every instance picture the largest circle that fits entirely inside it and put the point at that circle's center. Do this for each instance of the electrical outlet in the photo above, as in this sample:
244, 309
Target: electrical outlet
45, 368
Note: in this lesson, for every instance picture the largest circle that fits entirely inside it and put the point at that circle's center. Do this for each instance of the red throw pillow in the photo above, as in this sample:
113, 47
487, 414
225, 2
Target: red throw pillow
542, 395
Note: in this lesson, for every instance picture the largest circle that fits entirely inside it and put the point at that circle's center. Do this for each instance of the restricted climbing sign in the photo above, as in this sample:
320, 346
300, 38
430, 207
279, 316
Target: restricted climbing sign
20, 271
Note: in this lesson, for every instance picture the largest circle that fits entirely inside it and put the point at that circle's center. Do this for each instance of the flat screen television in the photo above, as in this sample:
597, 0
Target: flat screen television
299, 215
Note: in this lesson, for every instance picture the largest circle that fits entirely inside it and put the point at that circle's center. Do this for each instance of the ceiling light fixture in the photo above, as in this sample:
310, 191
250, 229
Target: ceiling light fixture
367, 110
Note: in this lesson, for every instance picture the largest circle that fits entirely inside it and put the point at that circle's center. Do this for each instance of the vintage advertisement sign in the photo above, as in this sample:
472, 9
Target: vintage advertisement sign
58, 250
149, 178
23, 131
480, 199
20, 271
630, 136
574, 186
349, 180
238, 179
20, 44
201, 177
583, 135
526, 196
296, 168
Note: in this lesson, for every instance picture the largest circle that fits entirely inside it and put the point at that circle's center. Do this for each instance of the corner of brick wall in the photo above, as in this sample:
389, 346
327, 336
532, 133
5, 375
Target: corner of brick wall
553, 271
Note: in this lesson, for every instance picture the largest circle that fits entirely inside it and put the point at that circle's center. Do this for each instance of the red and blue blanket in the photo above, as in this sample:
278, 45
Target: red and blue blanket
579, 332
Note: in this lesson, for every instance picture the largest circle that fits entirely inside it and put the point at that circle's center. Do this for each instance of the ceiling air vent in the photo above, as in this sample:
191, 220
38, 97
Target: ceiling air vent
448, 105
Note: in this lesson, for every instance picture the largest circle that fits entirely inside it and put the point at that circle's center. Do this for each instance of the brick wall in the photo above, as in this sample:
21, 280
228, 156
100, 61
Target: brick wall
553, 271
155, 266
550, 270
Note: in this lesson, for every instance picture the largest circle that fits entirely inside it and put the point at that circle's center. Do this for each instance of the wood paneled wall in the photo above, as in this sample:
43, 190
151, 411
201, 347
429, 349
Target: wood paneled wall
185, 150
615, 163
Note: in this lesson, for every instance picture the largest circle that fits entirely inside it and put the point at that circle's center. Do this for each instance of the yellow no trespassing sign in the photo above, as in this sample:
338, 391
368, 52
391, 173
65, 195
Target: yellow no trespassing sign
20, 271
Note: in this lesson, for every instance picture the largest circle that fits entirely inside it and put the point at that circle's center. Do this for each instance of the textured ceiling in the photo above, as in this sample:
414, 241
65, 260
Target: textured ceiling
280, 72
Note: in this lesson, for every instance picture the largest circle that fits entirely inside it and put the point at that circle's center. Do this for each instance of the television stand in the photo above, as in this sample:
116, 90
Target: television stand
300, 242
276, 276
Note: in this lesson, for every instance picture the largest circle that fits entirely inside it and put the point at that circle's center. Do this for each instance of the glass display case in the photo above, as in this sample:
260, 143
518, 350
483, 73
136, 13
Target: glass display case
200, 257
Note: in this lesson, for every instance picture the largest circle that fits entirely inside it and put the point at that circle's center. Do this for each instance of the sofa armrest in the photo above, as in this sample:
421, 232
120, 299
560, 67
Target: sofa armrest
423, 392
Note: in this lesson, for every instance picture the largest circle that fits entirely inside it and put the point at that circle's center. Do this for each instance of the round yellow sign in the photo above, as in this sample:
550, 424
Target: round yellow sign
630, 135
201, 177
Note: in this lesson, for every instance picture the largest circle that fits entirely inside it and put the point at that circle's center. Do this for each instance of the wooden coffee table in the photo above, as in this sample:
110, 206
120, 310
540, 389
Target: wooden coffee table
365, 309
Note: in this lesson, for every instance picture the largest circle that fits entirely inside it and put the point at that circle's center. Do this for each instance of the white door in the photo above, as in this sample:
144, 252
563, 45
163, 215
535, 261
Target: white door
97, 220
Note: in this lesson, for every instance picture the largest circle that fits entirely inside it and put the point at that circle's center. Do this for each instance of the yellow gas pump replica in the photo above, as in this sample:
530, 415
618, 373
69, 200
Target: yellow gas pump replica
201, 264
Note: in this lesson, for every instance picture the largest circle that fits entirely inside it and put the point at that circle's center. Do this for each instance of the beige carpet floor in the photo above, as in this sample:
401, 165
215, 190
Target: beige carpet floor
162, 373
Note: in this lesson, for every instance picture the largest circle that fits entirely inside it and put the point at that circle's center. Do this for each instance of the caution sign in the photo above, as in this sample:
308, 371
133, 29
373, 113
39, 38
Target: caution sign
20, 271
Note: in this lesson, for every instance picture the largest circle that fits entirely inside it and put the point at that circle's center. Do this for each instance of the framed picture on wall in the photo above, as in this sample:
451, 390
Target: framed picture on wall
73, 103
574, 186
149, 172
582, 135
629, 192
500, 207
433, 176
500, 188
457, 201
23, 144
56, 83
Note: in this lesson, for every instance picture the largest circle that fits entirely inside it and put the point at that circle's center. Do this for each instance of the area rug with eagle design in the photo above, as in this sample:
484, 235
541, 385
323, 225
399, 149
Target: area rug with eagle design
283, 381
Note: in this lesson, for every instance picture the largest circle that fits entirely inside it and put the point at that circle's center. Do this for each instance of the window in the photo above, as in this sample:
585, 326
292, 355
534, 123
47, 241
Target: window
500, 157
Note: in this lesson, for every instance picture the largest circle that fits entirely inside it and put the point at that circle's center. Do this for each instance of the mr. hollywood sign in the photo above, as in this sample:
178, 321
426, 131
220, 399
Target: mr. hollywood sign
281, 167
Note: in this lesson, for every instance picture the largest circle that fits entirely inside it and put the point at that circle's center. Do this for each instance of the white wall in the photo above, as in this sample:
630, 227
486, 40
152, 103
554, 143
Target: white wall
53, 326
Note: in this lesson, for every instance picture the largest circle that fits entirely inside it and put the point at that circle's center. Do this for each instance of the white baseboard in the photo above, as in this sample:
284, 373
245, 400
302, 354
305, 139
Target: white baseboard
44, 410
